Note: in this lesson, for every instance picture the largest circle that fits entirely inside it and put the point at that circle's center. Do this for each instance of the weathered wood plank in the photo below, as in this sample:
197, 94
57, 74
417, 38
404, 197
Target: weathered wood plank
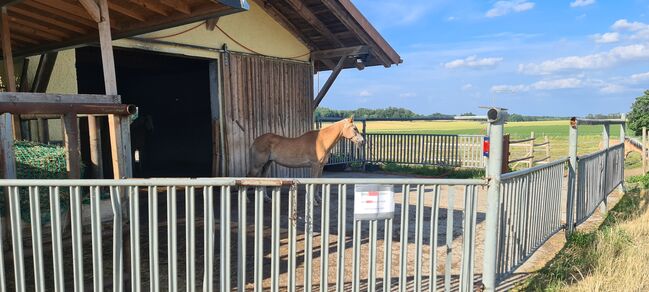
20, 97
10, 76
71, 139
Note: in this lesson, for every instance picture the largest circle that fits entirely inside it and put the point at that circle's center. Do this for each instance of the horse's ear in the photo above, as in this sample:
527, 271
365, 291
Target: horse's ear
351, 118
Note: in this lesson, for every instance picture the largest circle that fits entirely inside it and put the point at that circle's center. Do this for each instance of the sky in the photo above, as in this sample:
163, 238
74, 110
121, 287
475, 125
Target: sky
533, 57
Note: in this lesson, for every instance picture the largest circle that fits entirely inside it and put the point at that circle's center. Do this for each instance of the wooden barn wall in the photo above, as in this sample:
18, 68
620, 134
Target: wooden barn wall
263, 95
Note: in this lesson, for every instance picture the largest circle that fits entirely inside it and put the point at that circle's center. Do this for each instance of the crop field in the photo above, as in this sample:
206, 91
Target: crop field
557, 132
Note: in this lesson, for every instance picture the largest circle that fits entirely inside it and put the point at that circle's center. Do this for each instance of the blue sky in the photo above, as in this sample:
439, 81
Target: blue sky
534, 57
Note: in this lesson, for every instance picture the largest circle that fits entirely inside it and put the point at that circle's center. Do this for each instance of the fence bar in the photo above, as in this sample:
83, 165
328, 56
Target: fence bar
308, 236
324, 239
190, 237
154, 261
95, 219
57, 245
449, 238
224, 227
275, 238
356, 256
496, 132
434, 221
259, 234
387, 255
419, 232
371, 275
77, 241
468, 240
136, 280
118, 251
209, 237
37, 239
605, 143
241, 244
342, 238
292, 232
403, 255
172, 233
16, 236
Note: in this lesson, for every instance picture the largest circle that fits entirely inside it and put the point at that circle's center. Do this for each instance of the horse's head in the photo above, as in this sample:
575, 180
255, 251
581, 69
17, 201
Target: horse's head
350, 132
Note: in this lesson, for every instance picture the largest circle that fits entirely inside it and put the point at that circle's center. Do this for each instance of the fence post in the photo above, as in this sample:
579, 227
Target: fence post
644, 150
572, 176
366, 149
547, 149
605, 142
531, 151
622, 140
496, 118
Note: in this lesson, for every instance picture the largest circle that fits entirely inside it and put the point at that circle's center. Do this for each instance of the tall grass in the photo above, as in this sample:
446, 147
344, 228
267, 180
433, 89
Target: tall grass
614, 257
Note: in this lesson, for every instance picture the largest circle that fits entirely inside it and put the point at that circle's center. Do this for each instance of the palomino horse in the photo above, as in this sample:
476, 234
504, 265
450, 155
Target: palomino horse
312, 149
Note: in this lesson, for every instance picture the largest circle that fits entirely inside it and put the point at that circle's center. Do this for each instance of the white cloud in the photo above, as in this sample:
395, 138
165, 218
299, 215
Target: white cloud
365, 93
581, 3
623, 24
605, 38
640, 77
502, 8
473, 62
592, 61
612, 88
407, 94
467, 87
566, 83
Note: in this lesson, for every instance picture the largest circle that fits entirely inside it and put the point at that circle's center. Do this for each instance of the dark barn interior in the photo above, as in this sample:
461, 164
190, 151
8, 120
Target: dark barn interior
172, 135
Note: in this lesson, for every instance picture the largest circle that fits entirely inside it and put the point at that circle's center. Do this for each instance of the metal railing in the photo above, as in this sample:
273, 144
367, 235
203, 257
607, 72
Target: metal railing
181, 234
529, 214
598, 174
415, 149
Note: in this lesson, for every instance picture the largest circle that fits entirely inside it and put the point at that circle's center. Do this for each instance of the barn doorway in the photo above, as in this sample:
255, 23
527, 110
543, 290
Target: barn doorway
172, 135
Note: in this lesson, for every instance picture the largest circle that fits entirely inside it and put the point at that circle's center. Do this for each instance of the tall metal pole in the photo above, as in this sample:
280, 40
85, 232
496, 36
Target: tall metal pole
644, 150
622, 140
605, 143
497, 120
572, 176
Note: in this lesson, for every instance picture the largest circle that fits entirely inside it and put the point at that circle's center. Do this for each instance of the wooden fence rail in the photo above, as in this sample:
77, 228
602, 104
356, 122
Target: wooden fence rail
529, 146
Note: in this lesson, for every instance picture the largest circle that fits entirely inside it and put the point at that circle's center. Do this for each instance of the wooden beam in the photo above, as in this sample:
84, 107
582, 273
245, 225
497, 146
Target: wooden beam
119, 127
21, 97
71, 139
128, 11
37, 33
325, 88
23, 86
211, 23
349, 15
31, 16
314, 21
44, 72
340, 52
43, 28
61, 13
92, 9
288, 25
178, 5
152, 5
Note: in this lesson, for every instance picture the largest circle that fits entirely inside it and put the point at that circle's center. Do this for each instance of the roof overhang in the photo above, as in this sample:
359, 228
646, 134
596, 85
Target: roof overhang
38, 26
331, 29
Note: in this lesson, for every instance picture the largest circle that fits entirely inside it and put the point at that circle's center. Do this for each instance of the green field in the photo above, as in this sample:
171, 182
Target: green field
589, 139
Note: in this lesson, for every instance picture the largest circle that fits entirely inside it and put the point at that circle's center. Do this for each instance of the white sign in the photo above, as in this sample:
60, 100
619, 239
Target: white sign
373, 201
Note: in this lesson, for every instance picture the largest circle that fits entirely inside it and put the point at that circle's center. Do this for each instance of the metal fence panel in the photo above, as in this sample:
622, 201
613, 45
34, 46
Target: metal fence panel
530, 213
418, 149
598, 174
181, 230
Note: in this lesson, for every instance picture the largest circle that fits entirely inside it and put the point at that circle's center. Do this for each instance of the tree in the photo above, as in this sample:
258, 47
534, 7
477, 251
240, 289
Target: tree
639, 115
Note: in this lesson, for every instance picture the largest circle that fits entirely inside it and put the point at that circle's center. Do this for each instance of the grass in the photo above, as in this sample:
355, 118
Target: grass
615, 257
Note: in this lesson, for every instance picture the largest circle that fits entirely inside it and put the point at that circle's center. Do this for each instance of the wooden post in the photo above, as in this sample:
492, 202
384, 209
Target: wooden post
530, 162
10, 77
215, 111
547, 148
505, 167
94, 134
120, 134
644, 150
71, 139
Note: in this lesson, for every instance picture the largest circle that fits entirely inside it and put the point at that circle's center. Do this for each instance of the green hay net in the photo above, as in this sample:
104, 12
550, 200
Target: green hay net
39, 161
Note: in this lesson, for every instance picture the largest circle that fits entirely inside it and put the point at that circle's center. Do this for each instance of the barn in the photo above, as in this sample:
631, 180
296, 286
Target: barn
207, 77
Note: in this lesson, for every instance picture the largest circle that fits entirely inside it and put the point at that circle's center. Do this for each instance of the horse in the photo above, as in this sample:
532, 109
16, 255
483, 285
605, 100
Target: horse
312, 149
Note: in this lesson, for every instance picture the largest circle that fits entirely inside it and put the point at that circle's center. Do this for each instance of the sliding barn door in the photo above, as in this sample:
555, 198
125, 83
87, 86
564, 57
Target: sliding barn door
263, 95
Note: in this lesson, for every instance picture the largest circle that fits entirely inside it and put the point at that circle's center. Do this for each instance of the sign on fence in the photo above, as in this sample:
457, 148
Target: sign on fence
373, 201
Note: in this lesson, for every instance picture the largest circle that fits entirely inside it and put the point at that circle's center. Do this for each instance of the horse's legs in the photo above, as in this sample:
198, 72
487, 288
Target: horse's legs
316, 172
